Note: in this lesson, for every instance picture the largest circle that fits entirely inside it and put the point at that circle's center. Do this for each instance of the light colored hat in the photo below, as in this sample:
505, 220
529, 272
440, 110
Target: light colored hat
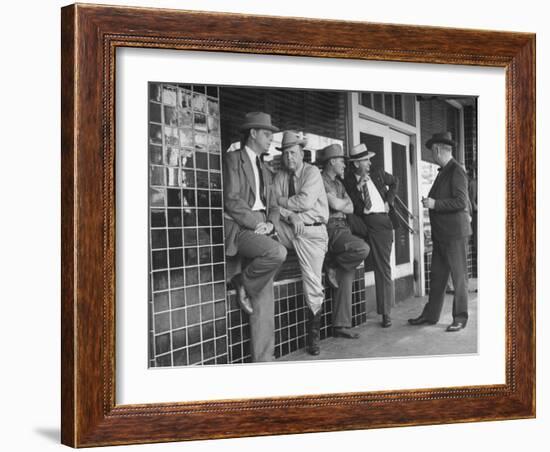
329, 152
291, 138
360, 152
258, 120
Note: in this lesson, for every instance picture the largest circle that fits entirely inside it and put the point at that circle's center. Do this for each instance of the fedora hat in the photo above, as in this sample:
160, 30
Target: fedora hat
258, 120
360, 152
329, 152
443, 137
291, 138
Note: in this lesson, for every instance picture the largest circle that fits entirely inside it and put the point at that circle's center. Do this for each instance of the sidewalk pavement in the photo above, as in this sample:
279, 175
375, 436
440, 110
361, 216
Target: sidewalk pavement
402, 339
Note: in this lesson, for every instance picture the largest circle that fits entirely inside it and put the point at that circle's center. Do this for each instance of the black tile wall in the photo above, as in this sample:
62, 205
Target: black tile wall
187, 284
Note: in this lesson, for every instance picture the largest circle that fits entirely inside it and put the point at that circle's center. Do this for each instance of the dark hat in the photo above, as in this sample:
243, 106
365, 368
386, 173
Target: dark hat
442, 137
360, 152
329, 152
258, 120
291, 138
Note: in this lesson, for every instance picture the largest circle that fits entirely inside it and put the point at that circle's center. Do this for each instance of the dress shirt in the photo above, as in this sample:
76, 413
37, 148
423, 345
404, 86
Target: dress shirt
310, 201
376, 200
258, 204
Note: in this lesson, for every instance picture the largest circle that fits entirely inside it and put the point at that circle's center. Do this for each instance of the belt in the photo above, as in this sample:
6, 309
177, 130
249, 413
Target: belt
314, 224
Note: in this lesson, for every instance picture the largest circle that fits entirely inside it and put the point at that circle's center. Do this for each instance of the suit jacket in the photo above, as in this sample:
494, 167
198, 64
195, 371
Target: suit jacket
239, 197
450, 218
385, 183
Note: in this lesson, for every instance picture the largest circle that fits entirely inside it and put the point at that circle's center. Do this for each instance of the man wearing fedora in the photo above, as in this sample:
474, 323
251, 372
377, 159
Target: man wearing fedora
346, 251
373, 194
448, 206
303, 207
249, 230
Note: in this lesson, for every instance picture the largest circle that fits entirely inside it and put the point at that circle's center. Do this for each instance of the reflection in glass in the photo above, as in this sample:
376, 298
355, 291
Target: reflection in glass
189, 198
185, 118
201, 141
179, 340
202, 179
200, 122
169, 96
186, 138
219, 274
154, 92
214, 144
157, 196
171, 156
158, 175
213, 108
170, 116
186, 158
189, 237
217, 254
155, 134
178, 318
199, 102
155, 155
187, 178
185, 98
171, 136
173, 177
215, 181
212, 125
159, 260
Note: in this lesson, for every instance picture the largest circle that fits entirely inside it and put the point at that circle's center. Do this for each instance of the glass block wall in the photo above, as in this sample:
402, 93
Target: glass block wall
187, 292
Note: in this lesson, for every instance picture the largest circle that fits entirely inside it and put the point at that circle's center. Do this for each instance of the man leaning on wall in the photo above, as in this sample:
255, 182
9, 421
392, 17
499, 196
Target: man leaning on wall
346, 251
303, 207
249, 230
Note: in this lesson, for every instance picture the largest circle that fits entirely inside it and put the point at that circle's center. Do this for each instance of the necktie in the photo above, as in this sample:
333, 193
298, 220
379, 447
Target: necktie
261, 177
366, 196
291, 189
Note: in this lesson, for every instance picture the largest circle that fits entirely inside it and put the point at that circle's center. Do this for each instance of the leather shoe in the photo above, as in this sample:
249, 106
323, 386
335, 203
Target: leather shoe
242, 297
331, 277
457, 325
421, 320
345, 333
386, 321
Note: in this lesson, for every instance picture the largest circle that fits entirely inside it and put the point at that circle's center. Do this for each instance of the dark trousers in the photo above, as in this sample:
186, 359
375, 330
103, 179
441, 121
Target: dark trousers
346, 252
449, 257
377, 230
266, 256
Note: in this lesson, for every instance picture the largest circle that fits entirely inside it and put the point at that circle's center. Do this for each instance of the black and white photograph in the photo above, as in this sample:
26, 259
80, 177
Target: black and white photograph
295, 224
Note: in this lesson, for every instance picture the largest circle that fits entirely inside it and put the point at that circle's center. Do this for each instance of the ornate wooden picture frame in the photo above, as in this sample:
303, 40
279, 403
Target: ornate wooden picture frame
90, 38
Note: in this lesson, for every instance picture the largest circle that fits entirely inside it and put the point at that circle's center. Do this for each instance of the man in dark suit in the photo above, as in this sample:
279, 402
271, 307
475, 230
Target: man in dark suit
373, 194
448, 206
249, 231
